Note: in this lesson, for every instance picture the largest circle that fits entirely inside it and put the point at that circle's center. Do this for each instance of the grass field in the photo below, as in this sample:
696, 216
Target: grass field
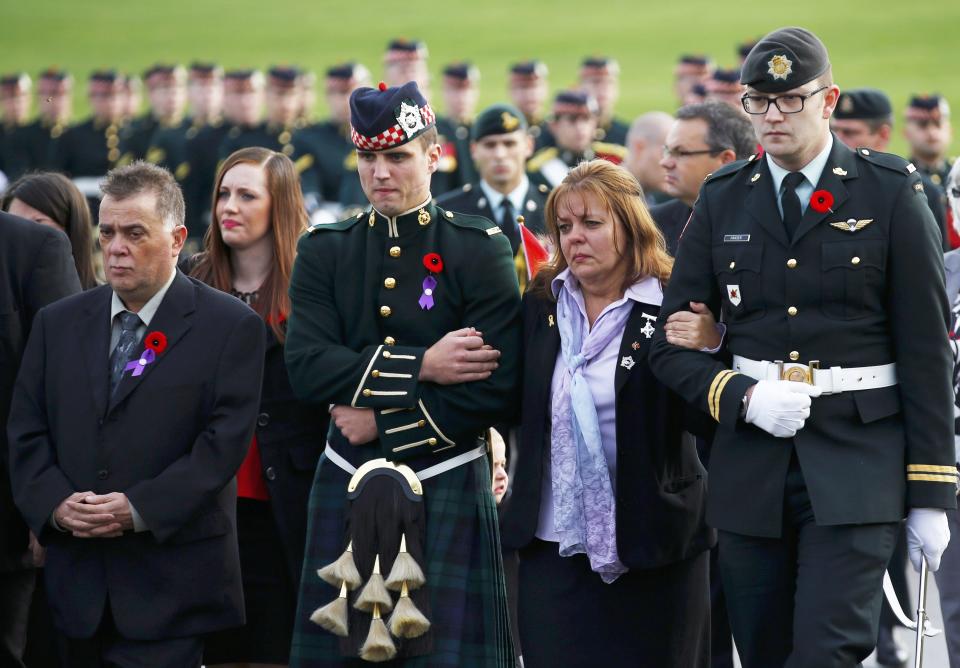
901, 47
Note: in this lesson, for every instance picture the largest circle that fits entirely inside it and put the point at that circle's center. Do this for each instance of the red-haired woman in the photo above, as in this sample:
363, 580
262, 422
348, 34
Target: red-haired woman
258, 214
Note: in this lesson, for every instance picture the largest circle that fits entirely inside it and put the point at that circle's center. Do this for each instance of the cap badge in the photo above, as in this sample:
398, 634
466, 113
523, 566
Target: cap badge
846, 104
409, 117
508, 121
780, 67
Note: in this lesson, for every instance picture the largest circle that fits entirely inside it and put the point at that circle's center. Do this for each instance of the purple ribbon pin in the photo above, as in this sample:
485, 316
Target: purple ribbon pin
426, 299
137, 366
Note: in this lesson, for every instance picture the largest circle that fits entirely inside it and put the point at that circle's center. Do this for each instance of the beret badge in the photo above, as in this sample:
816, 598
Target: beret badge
409, 117
780, 67
509, 121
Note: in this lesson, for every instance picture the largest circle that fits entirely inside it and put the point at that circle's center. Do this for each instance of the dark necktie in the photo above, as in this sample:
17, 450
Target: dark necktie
125, 347
508, 223
792, 213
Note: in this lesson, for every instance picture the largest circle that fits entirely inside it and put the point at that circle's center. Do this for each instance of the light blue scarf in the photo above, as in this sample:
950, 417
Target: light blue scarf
584, 505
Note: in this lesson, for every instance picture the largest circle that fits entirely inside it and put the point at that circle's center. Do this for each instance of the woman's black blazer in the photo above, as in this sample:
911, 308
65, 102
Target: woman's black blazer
660, 483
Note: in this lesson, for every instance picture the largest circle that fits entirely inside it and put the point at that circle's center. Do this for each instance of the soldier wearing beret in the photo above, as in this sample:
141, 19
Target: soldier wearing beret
460, 93
92, 148
528, 89
500, 147
573, 124
277, 132
928, 131
691, 70
835, 413
600, 78
15, 109
382, 305
724, 86
864, 118
33, 146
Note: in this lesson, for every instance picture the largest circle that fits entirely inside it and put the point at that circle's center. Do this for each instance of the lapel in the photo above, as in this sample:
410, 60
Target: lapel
546, 346
93, 336
842, 160
171, 319
483, 206
635, 331
761, 202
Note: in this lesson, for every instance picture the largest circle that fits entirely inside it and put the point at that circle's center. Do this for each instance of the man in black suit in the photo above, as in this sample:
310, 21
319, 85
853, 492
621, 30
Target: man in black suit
36, 268
133, 409
500, 146
704, 137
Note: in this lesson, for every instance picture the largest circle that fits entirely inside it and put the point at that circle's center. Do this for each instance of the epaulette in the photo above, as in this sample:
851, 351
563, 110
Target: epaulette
728, 169
889, 160
339, 226
542, 157
479, 223
609, 149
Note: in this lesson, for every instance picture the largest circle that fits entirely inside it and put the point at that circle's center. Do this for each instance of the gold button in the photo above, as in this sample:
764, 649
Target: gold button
367, 393
390, 341
792, 310
854, 260
113, 155
389, 283
113, 141
395, 251
421, 423
386, 354
794, 355
385, 311
375, 373
733, 264
432, 441
791, 263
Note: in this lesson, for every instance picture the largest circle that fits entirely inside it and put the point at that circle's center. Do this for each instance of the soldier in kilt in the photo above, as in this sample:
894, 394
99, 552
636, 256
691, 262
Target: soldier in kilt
405, 320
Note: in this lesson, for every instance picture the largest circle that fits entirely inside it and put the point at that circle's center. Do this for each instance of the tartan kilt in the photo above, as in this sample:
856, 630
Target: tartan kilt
464, 570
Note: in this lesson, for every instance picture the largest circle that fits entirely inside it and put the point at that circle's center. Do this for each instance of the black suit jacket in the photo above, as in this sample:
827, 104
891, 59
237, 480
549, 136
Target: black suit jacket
670, 217
171, 440
36, 268
291, 435
660, 483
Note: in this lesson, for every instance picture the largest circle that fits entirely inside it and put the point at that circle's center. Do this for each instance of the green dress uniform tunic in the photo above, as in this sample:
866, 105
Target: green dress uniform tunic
91, 148
356, 336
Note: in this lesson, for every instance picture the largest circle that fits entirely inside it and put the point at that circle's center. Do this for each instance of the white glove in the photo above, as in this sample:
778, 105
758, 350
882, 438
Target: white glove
927, 536
780, 407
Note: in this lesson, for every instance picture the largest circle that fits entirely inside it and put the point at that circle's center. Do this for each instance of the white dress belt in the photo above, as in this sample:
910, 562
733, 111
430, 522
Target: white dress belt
831, 380
422, 474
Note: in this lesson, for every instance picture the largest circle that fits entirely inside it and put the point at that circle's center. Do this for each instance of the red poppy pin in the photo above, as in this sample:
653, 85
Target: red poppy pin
433, 262
822, 201
154, 344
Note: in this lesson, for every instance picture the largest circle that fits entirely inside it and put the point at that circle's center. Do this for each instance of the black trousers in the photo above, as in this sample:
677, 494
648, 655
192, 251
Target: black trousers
16, 589
108, 649
811, 598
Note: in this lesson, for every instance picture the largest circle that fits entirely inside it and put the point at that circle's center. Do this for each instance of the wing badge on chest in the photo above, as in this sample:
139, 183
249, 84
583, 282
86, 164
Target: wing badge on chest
852, 224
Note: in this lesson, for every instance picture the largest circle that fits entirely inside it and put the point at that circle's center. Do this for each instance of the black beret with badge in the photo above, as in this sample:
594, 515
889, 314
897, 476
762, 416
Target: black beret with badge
386, 117
498, 119
863, 104
783, 60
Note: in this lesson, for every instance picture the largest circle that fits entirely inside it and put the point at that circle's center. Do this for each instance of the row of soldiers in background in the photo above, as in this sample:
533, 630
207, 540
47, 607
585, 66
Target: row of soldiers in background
241, 108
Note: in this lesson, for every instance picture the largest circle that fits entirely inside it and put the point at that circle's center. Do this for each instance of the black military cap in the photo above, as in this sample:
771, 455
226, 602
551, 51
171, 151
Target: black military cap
528, 70
384, 117
724, 81
284, 76
744, 48
162, 71
201, 69
599, 65
574, 102
698, 90
726, 76
159, 68
783, 60
107, 76
239, 80
346, 71
55, 74
405, 49
923, 107
464, 72
498, 119
15, 81
863, 104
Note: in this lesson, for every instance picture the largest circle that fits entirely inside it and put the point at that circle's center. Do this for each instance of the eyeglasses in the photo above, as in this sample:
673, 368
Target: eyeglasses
677, 153
955, 192
787, 104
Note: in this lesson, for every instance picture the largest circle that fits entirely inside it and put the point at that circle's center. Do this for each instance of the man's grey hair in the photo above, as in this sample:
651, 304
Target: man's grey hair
726, 127
651, 127
140, 177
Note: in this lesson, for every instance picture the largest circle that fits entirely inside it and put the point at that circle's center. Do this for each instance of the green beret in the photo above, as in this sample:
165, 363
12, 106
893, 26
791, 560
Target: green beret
499, 119
783, 60
863, 104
